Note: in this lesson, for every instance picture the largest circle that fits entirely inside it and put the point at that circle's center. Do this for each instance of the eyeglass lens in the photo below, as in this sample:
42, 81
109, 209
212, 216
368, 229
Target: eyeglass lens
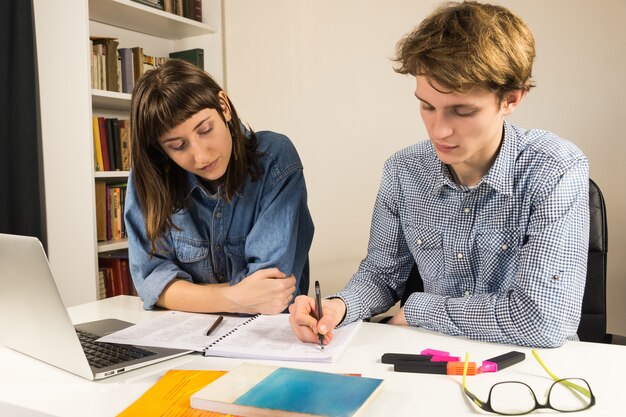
563, 397
517, 398
512, 398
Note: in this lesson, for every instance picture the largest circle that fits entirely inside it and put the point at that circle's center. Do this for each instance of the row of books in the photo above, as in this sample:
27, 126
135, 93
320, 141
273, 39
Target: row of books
110, 199
114, 275
117, 70
191, 9
111, 142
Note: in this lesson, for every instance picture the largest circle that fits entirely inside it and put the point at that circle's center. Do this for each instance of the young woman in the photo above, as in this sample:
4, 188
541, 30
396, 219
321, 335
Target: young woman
495, 217
216, 214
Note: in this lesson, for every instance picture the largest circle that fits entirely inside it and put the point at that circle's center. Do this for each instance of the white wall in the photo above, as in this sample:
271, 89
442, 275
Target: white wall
319, 71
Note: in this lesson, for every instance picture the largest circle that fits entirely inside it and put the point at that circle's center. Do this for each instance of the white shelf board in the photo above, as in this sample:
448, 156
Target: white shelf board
111, 245
111, 174
145, 19
110, 100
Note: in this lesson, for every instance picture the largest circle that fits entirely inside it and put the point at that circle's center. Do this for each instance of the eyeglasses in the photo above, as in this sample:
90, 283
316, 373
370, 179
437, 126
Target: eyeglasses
514, 397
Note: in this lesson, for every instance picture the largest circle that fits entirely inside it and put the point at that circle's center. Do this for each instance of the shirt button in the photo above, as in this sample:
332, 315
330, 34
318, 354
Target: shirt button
466, 210
467, 293
555, 277
459, 255
419, 241
218, 248
504, 246
218, 214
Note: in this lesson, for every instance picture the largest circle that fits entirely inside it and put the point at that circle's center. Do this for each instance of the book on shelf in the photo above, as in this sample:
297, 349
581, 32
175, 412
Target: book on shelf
119, 279
157, 4
124, 129
143, 62
101, 210
117, 146
170, 395
108, 134
192, 9
97, 146
107, 276
255, 390
169, 6
106, 159
111, 143
256, 337
102, 292
195, 56
137, 62
179, 7
98, 80
197, 11
115, 210
127, 71
109, 49
110, 201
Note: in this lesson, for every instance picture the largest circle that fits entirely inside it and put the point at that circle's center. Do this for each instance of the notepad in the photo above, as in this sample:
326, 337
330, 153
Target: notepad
256, 337
268, 391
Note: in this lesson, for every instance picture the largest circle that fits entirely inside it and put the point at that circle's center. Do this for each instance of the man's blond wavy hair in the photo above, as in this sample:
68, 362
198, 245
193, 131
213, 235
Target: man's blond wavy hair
465, 45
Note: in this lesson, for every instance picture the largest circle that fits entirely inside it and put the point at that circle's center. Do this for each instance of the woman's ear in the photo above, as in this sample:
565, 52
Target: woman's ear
224, 105
511, 100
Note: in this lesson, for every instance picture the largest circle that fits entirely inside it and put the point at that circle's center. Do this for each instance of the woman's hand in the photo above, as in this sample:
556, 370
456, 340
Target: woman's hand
304, 324
266, 291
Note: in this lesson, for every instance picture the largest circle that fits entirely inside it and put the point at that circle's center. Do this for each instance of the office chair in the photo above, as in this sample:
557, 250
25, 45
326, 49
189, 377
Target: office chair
592, 327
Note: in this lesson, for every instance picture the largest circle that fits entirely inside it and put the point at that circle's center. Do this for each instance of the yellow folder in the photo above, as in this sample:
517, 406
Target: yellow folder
170, 396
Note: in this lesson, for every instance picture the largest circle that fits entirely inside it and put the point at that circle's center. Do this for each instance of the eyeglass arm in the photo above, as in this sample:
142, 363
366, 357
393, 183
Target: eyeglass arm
467, 392
583, 391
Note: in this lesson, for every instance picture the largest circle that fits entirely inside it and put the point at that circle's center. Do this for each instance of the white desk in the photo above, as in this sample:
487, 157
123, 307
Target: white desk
32, 388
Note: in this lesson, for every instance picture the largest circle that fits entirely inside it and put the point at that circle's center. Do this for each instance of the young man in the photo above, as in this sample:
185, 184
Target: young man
495, 217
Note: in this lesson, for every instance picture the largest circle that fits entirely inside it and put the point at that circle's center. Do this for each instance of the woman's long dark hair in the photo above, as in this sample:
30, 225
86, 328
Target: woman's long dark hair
164, 98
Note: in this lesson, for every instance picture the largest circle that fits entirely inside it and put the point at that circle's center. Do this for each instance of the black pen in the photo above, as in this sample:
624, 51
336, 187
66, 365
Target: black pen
214, 325
318, 306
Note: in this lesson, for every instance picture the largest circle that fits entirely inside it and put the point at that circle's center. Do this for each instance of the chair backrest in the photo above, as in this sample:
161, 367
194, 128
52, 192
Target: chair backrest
592, 327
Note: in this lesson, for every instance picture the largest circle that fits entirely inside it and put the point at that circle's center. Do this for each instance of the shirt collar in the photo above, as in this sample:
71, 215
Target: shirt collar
194, 184
499, 177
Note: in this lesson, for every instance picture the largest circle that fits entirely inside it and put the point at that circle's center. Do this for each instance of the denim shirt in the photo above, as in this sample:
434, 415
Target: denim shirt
504, 261
267, 224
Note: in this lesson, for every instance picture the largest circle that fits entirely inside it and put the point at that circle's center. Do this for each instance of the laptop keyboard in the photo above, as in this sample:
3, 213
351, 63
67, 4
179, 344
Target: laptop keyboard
102, 355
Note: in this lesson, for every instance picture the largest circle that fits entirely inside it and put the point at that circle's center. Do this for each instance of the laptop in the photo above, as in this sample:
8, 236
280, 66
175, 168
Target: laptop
34, 321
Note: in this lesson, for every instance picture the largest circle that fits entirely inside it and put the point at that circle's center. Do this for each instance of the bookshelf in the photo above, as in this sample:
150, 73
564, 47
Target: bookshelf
68, 103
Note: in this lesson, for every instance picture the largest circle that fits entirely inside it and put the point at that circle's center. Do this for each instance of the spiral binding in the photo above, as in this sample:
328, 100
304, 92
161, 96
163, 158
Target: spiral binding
206, 349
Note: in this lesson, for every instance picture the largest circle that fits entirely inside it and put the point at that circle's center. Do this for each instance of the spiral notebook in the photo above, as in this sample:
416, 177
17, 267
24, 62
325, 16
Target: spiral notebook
256, 337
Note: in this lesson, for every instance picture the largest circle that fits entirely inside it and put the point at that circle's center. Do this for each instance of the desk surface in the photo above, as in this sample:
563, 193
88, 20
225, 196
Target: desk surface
32, 388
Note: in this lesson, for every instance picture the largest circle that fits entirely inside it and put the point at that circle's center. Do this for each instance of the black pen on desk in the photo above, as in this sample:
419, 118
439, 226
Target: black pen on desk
214, 325
318, 307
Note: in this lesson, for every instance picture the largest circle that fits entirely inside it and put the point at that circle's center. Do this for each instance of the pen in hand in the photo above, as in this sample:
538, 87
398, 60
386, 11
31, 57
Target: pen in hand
318, 306
214, 325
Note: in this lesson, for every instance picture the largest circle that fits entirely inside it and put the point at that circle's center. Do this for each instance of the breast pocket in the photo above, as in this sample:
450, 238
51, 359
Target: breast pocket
426, 245
193, 257
498, 253
234, 249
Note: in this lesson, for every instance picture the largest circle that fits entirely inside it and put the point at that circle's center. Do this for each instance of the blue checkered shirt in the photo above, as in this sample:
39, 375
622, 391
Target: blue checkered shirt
504, 261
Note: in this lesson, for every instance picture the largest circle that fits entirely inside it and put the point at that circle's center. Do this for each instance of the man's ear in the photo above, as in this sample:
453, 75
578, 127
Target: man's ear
511, 100
224, 105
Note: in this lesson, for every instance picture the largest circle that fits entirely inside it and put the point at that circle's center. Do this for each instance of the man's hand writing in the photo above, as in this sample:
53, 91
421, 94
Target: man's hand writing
303, 318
